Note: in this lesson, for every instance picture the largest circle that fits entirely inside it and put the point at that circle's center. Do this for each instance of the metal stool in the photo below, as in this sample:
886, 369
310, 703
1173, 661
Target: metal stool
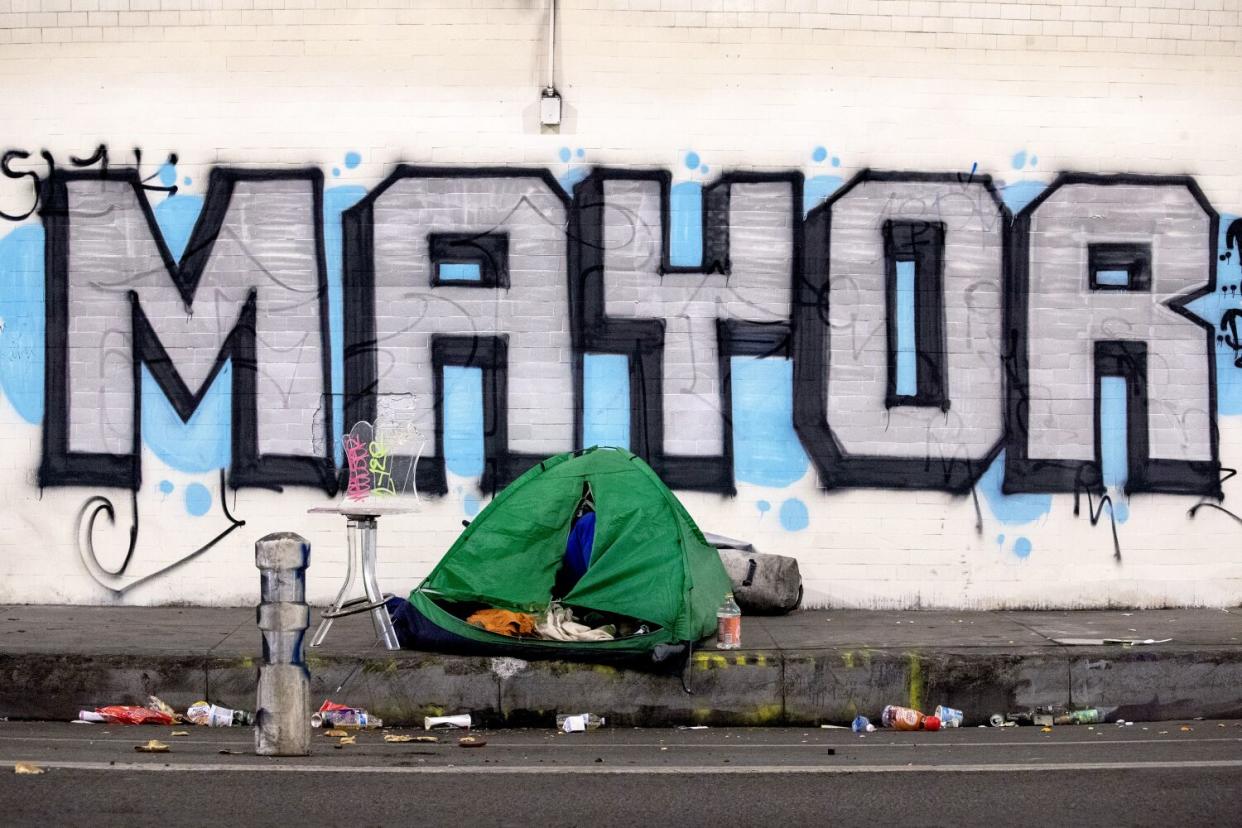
361, 519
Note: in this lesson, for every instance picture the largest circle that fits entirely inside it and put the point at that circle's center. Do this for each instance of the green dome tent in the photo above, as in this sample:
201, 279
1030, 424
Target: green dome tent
649, 561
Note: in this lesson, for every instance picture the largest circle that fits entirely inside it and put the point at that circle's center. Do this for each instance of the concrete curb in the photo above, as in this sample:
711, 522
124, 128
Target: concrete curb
801, 687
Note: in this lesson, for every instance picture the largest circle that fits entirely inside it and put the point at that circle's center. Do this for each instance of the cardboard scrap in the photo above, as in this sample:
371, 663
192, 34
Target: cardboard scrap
27, 768
152, 746
405, 737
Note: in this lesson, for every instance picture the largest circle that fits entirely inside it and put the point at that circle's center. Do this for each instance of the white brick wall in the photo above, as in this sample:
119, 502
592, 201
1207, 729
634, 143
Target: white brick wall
1118, 86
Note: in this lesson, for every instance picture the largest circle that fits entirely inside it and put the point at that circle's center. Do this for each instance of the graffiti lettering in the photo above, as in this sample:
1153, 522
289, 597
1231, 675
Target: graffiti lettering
905, 303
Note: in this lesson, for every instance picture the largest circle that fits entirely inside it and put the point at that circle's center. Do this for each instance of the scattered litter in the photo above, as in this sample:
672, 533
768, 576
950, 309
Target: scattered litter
82, 721
461, 720
471, 741
227, 752
1131, 724
589, 721
152, 746
1121, 723
679, 727
339, 715
729, 624
90, 717
347, 740
902, 718
160, 706
1198, 718
949, 716
931, 722
1222, 724
1186, 728
1045, 729
212, 715
999, 720
1100, 642
1089, 715
862, 724
180, 733
336, 732
27, 768
130, 714
833, 727
406, 737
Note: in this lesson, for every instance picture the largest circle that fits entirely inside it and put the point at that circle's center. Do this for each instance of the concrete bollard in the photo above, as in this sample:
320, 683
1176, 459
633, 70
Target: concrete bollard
282, 711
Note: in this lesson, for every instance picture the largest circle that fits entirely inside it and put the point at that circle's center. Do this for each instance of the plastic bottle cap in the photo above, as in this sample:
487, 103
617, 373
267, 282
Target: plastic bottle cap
931, 723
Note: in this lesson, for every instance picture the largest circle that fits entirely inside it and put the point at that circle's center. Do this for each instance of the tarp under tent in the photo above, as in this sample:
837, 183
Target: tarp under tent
650, 568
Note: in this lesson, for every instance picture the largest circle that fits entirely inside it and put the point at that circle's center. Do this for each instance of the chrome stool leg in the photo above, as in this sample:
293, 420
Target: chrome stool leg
379, 613
342, 597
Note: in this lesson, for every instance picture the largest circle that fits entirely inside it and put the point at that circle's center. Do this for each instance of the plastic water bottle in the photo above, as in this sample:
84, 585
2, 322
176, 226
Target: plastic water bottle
949, 716
729, 625
202, 713
349, 717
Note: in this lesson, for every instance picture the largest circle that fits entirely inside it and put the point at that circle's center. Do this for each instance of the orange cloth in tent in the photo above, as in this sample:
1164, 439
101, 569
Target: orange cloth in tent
504, 622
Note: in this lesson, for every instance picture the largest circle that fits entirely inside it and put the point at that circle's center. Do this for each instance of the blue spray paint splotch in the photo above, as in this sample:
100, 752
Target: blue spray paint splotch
1010, 508
686, 224
352, 160
337, 200
205, 442
176, 217
166, 487
1022, 547
692, 160
463, 420
794, 516
1212, 309
1019, 160
23, 318
197, 499
576, 172
819, 154
168, 173
1020, 193
470, 504
766, 450
907, 365
817, 188
763, 506
606, 400
1114, 451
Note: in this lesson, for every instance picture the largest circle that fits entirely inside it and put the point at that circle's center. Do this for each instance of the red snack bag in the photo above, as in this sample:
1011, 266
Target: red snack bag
133, 714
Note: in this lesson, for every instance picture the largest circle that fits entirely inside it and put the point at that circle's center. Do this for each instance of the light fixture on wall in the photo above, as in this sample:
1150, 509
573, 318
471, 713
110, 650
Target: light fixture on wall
550, 99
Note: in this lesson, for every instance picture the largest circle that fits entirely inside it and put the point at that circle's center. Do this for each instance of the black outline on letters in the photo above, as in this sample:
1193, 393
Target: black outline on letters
490, 353
642, 340
1023, 474
837, 468
62, 467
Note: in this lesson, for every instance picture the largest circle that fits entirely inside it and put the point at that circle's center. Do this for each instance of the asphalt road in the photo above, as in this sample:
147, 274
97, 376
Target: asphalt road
1146, 774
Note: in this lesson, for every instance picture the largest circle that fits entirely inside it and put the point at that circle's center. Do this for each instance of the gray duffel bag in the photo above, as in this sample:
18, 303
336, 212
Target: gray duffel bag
762, 584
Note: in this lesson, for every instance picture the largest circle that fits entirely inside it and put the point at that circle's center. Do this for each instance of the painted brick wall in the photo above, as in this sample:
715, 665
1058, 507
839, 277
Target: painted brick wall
975, 348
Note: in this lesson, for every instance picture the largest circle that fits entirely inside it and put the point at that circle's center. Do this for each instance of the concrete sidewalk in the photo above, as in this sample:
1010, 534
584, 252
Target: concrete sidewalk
803, 669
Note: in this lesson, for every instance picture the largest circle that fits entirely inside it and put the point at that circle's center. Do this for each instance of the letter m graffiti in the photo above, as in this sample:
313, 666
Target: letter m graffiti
250, 289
